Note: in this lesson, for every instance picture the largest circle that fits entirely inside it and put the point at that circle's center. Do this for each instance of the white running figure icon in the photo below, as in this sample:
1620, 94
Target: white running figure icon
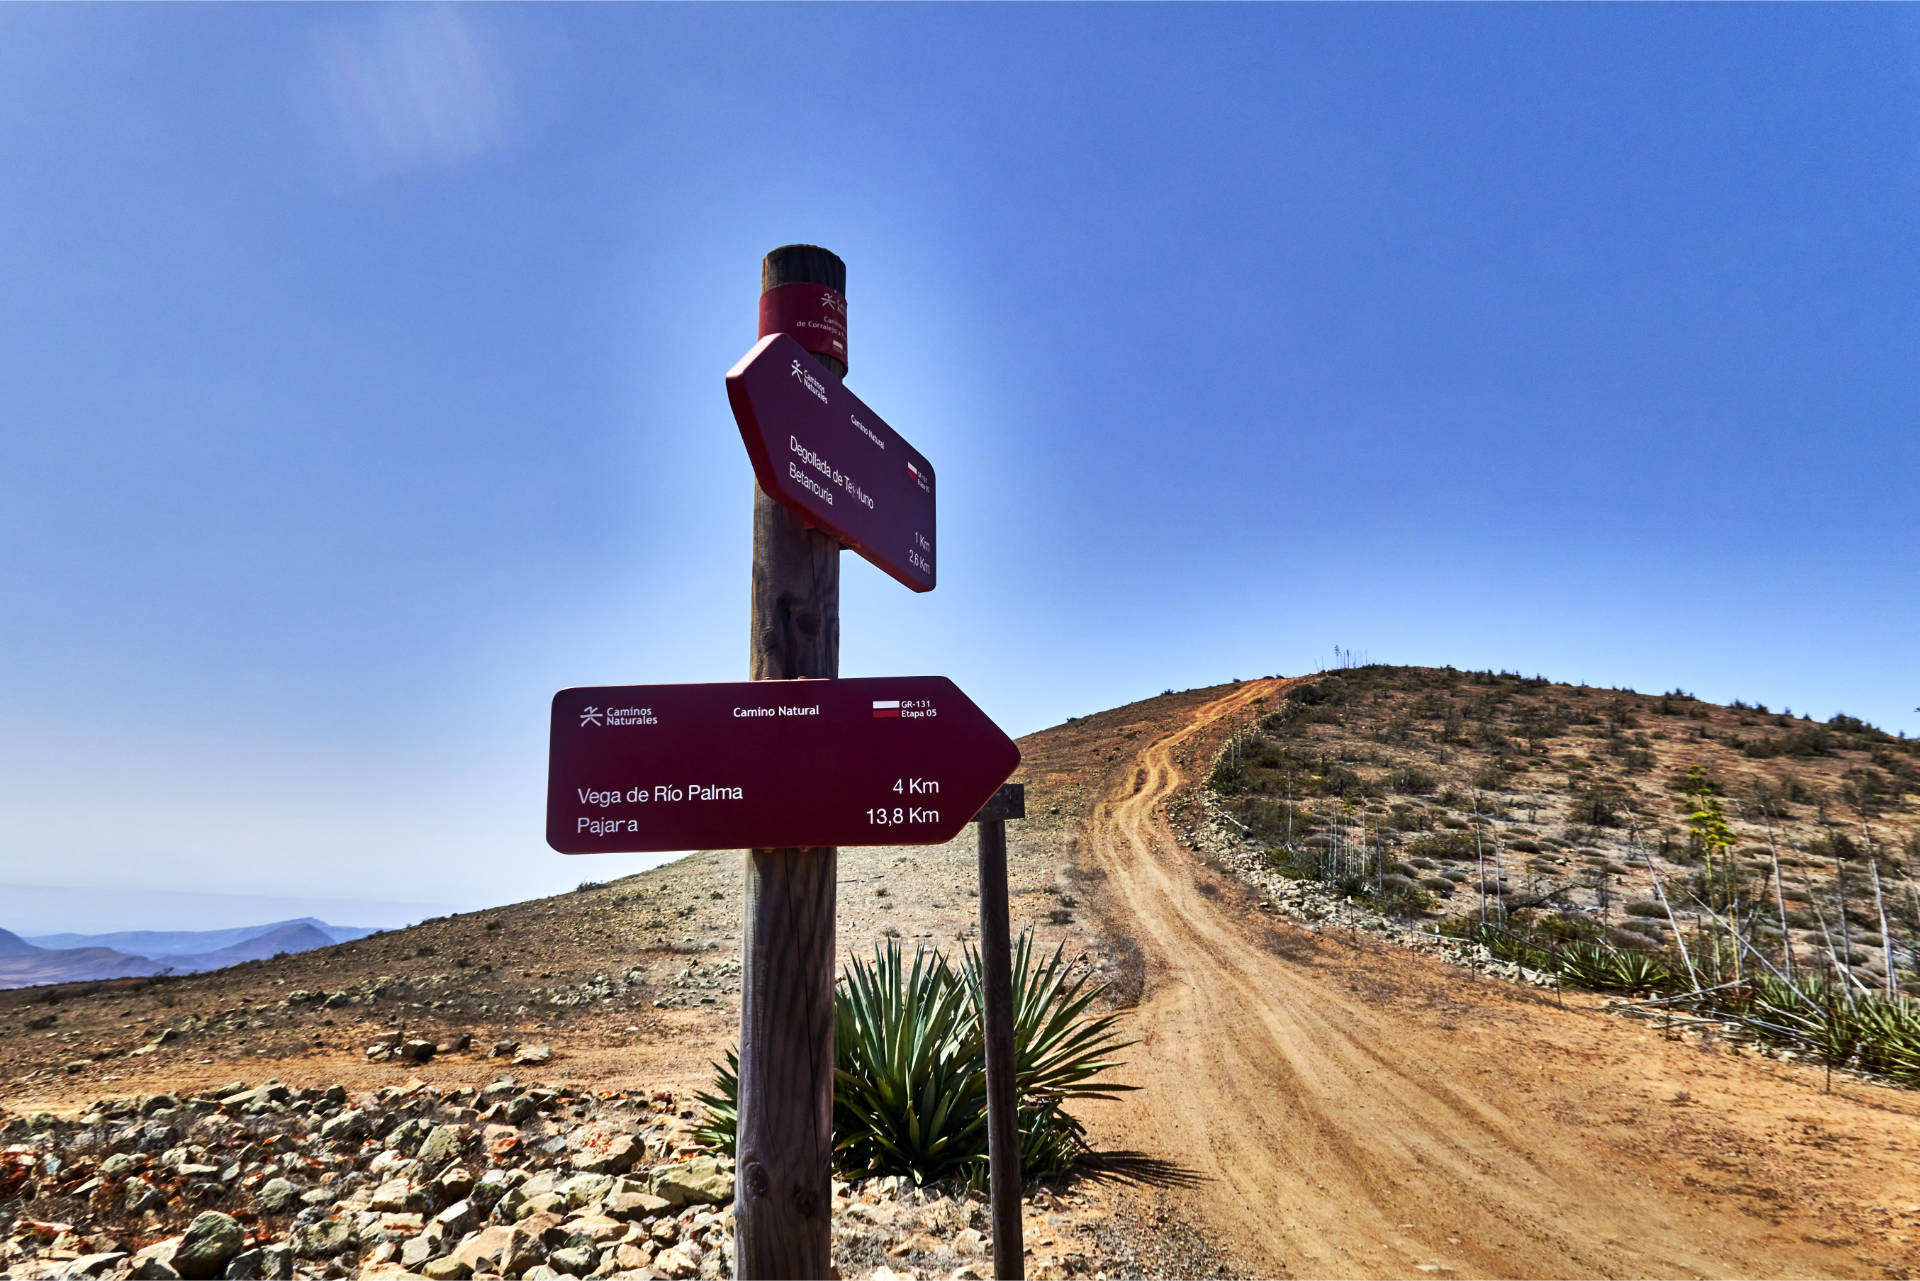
589, 716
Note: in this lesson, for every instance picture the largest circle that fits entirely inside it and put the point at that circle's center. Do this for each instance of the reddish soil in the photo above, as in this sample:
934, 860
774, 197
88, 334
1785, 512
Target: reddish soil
1344, 1107
1354, 1109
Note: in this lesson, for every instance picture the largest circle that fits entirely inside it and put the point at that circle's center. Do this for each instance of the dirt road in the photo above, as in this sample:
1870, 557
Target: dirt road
1355, 1109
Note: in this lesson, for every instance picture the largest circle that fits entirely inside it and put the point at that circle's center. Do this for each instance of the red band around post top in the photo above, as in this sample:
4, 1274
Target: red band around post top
813, 315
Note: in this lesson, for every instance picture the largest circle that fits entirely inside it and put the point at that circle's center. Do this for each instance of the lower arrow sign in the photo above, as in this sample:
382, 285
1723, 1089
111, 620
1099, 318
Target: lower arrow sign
902, 760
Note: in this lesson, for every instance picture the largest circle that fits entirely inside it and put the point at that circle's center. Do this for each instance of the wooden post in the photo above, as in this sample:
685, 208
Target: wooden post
783, 1191
996, 976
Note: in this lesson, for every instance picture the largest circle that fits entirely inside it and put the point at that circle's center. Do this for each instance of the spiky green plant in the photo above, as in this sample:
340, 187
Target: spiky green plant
1890, 1037
1612, 969
720, 1106
1505, 945
909, 1085
1808, 1012
910, 1070
1058, 1051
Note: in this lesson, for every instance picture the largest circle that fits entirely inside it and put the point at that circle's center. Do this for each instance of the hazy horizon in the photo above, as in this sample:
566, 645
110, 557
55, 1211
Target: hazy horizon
29, 910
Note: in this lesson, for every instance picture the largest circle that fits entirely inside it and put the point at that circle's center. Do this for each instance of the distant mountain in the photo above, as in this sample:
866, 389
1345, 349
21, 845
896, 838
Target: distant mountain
72, 965
296, 937
74, 958
12, 944
164, 943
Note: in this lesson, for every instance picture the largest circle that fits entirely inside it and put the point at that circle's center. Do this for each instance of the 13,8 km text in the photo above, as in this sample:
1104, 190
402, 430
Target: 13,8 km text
902, 814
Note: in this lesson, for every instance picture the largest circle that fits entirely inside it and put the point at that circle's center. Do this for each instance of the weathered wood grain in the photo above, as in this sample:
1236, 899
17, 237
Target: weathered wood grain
782, 1182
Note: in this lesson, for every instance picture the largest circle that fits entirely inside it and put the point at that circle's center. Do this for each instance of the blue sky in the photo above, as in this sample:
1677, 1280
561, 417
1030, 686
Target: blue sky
360, 379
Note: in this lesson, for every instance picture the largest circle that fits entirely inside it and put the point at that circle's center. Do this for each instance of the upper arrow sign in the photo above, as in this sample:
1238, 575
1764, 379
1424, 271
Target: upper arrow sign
819, 451
896, 760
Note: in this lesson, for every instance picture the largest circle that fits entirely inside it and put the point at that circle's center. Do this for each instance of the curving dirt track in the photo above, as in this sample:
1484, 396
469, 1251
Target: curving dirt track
1356, 1109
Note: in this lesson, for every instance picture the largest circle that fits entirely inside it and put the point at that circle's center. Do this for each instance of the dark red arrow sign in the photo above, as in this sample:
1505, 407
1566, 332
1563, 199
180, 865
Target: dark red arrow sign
905, 760
821, 452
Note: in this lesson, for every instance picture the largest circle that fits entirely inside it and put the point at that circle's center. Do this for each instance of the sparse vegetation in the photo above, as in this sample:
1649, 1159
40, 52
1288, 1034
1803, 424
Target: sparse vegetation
910, 1088
1692, 850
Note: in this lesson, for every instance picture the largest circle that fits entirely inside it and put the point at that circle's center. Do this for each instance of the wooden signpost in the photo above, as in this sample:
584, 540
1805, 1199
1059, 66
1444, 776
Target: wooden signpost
783, 1181
795, 769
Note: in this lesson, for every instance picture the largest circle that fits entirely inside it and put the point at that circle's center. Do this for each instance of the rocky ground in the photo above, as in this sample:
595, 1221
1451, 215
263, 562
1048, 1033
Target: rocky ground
514, 1179
1545, 1140
631, 987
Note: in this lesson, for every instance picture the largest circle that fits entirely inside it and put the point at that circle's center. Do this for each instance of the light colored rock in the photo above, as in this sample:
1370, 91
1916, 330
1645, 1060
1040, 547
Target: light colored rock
597, 1228
632, 1256
210, 1240
394, 1194
523, 1250
585, 1189
545, 1203
533, 1055
277, 1196
416, 1250
141, 1196
324, 1239
602, 1149
574, 1260
441, 1145
675, 1264
457, 1219
155, 1262
636, 1205
700, 1181
455, 1182
488, 1244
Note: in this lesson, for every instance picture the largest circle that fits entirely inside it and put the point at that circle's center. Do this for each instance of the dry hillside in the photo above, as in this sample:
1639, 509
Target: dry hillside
1322, 1101
1566, 799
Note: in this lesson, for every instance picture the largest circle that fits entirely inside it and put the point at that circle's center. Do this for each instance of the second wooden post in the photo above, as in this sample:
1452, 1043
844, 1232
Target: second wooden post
996, 976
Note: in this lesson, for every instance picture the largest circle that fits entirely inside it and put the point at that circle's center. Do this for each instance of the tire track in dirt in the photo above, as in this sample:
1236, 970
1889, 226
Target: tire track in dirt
1337, 1135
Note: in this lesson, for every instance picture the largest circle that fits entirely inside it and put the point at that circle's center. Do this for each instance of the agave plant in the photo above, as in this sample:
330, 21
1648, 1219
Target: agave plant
1612, 969
1057, 1050
720, 1107
1057, 1053
910, 1090
1809, 1012
1508, 946
1890, 1037
909, 1081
